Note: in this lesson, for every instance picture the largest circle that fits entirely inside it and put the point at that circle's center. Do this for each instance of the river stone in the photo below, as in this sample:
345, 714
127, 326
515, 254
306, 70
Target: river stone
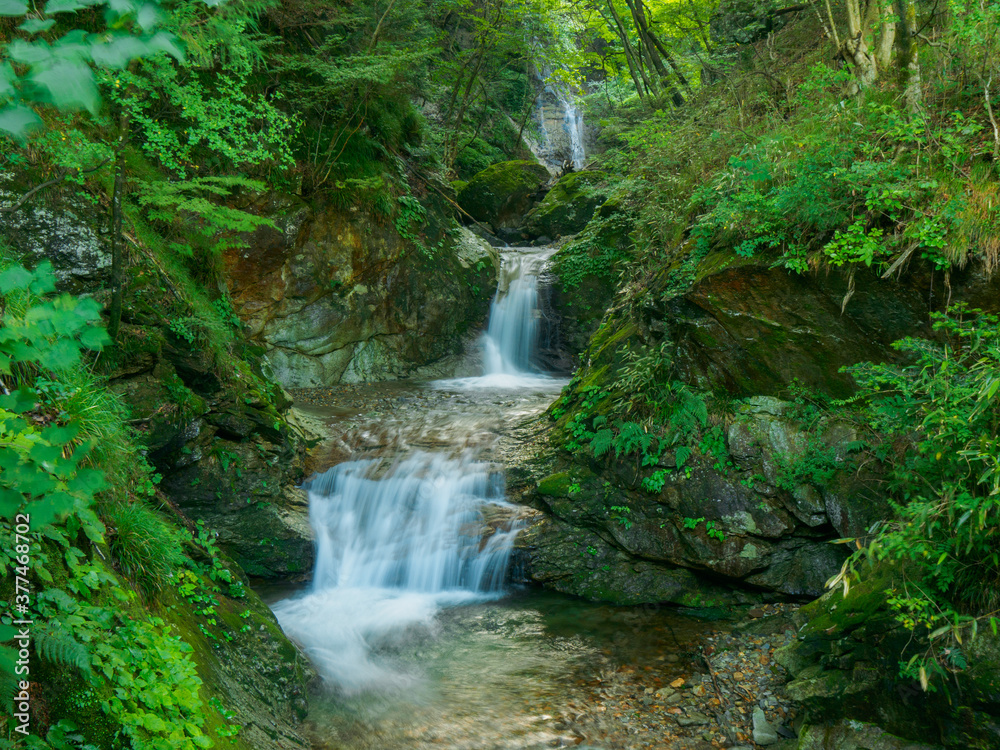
693, 719
763, 732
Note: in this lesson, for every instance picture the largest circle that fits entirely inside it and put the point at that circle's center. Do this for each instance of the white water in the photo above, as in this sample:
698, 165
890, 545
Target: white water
390, 551
511, 339
395, 543
568, 141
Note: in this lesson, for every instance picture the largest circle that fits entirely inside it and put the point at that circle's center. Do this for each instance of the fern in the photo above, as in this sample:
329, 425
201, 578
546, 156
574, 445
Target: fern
682, 455
602, 441
62, 649
632, 438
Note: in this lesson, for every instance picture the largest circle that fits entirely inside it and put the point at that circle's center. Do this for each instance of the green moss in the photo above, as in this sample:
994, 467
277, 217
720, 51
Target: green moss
555, 485
501, 194
568, 206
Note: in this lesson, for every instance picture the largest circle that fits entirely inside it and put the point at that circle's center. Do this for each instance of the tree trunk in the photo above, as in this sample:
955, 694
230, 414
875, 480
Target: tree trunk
909, 60
117, 249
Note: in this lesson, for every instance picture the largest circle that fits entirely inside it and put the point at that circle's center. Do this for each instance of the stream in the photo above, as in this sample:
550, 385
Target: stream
420, 639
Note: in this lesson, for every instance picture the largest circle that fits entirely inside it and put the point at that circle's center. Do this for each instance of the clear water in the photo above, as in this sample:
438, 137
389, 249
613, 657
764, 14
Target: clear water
407, 618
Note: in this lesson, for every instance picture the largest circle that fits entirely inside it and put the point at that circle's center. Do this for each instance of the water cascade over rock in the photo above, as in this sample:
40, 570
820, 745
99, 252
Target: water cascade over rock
561, 134
395, 542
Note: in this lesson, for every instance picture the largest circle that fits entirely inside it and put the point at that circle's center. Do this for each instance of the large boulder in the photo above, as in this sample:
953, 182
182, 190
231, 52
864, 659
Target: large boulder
585, 272
503, 193
568, 206
336, 296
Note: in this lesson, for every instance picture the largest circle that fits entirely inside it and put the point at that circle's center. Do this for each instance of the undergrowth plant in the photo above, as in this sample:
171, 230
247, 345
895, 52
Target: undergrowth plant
945, 536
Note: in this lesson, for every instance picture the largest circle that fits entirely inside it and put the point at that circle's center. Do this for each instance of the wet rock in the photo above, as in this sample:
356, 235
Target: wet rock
585, 272
855, 735
693, 719
763, 732
336, 296
568, 206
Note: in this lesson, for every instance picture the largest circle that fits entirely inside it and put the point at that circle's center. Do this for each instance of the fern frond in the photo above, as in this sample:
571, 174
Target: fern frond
602, 441
62, 649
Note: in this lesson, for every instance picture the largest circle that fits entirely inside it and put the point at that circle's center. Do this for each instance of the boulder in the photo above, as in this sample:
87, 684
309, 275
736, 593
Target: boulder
65, 230
568, 206
585, 271
759, 522
503, 193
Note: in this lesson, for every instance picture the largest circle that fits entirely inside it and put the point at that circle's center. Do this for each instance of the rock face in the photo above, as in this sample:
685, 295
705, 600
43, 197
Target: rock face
502, 194
336, 297
747, 328
586, 270
568, 206
846, 663
229, 457
70, 236
764, 521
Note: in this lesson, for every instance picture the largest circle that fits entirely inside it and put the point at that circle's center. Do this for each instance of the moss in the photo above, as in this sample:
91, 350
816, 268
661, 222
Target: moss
555, 485
568, 206
501, 194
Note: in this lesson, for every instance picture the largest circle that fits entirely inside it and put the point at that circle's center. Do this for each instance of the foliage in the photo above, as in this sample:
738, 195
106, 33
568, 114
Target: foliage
947, 526
49, 65
145, 547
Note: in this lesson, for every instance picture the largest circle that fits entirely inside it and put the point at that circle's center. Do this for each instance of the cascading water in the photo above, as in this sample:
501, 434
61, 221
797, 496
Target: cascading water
511, 339
396, 543
560, 127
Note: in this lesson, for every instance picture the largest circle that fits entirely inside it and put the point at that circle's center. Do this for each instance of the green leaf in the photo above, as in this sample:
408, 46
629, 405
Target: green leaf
13, 7
70, 85
36, 25
68, 6
15, 277
95, 338
18, 121
56, 435
7, 79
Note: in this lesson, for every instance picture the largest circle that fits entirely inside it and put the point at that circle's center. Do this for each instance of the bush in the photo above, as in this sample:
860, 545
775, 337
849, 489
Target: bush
943, 413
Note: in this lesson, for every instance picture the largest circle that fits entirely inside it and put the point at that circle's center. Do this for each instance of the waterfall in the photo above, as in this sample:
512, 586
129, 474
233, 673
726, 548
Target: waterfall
391, 550
560, 127
510, 343
419, 528
395, 543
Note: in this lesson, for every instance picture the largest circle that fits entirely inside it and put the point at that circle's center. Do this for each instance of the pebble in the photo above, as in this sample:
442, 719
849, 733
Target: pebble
695, 719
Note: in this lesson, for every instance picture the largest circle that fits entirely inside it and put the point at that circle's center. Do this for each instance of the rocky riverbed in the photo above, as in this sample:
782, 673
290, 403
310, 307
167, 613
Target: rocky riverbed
538, 669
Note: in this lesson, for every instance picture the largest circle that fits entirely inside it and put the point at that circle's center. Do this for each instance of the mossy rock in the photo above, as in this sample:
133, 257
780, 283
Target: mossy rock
568, 206
503, 193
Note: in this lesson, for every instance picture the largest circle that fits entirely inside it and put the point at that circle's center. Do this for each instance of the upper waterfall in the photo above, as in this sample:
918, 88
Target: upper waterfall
560, 127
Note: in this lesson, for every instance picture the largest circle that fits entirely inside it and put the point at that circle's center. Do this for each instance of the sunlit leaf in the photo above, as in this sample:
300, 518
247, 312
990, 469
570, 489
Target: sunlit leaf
13, 7
18, 121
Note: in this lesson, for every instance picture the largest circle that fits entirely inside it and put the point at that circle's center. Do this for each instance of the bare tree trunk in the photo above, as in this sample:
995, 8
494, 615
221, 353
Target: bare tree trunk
117, 246
909, 59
